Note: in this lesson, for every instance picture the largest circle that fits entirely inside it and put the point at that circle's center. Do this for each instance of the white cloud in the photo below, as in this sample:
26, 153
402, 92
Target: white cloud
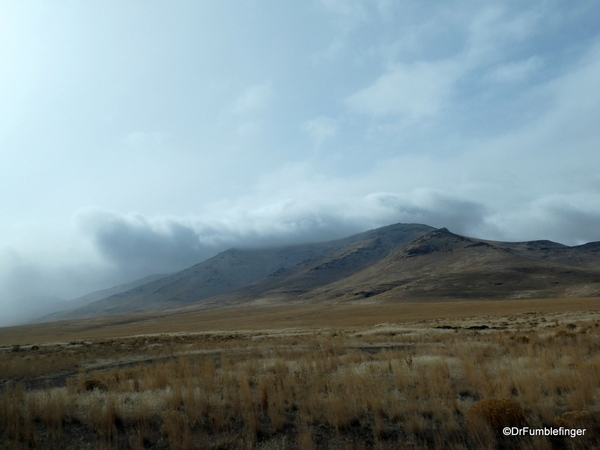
416, 90
321, 129
254, 98
549, 217
316, 211
351, 9
514, 72
348, 15
385, 8
493, 30
431, 207
334, 49
560, 144
417, 86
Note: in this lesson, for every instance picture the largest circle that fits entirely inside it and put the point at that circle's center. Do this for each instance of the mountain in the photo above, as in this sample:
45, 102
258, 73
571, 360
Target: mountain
61, 309
360, 253
442, 265
401, 262
238, 268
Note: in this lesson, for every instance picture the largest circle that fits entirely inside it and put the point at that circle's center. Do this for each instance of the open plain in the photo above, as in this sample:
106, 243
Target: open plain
372, 376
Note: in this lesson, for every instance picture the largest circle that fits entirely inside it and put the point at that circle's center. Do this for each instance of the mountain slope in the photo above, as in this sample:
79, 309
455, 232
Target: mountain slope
62, 310
237, 268
443, 265
587, 255
364, 251
401, 262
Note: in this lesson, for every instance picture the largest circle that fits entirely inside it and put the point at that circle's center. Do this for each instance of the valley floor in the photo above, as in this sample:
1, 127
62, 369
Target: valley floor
390, 376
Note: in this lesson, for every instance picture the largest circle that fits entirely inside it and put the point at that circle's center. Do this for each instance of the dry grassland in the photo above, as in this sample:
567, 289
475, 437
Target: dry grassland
304, 379
306, 316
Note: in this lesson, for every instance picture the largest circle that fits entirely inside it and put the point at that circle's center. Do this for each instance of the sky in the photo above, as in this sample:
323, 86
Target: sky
143, 137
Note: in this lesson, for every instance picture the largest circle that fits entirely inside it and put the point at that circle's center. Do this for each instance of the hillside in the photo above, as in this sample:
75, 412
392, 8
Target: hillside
237, 268
62, 309
443, 265
401, 262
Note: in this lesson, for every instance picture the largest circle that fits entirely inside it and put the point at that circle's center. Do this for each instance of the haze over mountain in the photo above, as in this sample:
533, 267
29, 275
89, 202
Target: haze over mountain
57, 308
401, 262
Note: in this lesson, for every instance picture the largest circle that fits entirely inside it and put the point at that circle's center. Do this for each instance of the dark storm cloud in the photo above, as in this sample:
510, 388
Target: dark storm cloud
582, 225
575, 216
436, 209
141, 246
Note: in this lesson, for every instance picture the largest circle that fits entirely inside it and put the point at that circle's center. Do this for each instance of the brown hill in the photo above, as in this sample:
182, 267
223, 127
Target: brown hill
402, 262
233, 269
443, 265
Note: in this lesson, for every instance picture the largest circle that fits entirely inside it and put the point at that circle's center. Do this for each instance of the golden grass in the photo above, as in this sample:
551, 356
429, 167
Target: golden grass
237, 318
369, 383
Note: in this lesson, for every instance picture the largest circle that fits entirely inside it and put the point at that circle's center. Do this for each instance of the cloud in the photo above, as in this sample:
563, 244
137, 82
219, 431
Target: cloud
121, 247
140, 245
514, 72
254, 98
249, 128
552, 217
351, 8
433, 208
416, 90
437, 60
526, 178
30, 281
320, 129
494, 29
554, 151
348, 15
564, 213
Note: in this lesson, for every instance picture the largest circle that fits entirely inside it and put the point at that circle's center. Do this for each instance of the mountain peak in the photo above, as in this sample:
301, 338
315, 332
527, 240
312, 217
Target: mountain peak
440, 239
394, 262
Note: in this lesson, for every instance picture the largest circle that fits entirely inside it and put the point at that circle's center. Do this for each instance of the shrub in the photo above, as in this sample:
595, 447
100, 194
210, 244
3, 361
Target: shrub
578, 419
92, 384
496, 413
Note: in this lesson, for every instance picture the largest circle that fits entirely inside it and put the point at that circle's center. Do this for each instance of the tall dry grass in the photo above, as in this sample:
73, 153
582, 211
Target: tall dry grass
387, 387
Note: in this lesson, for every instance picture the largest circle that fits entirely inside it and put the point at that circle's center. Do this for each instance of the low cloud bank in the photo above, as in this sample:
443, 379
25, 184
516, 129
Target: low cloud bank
138, 243
122, 247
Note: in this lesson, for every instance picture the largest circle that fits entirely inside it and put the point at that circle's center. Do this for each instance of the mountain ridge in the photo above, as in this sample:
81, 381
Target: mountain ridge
399, 262
443, 265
